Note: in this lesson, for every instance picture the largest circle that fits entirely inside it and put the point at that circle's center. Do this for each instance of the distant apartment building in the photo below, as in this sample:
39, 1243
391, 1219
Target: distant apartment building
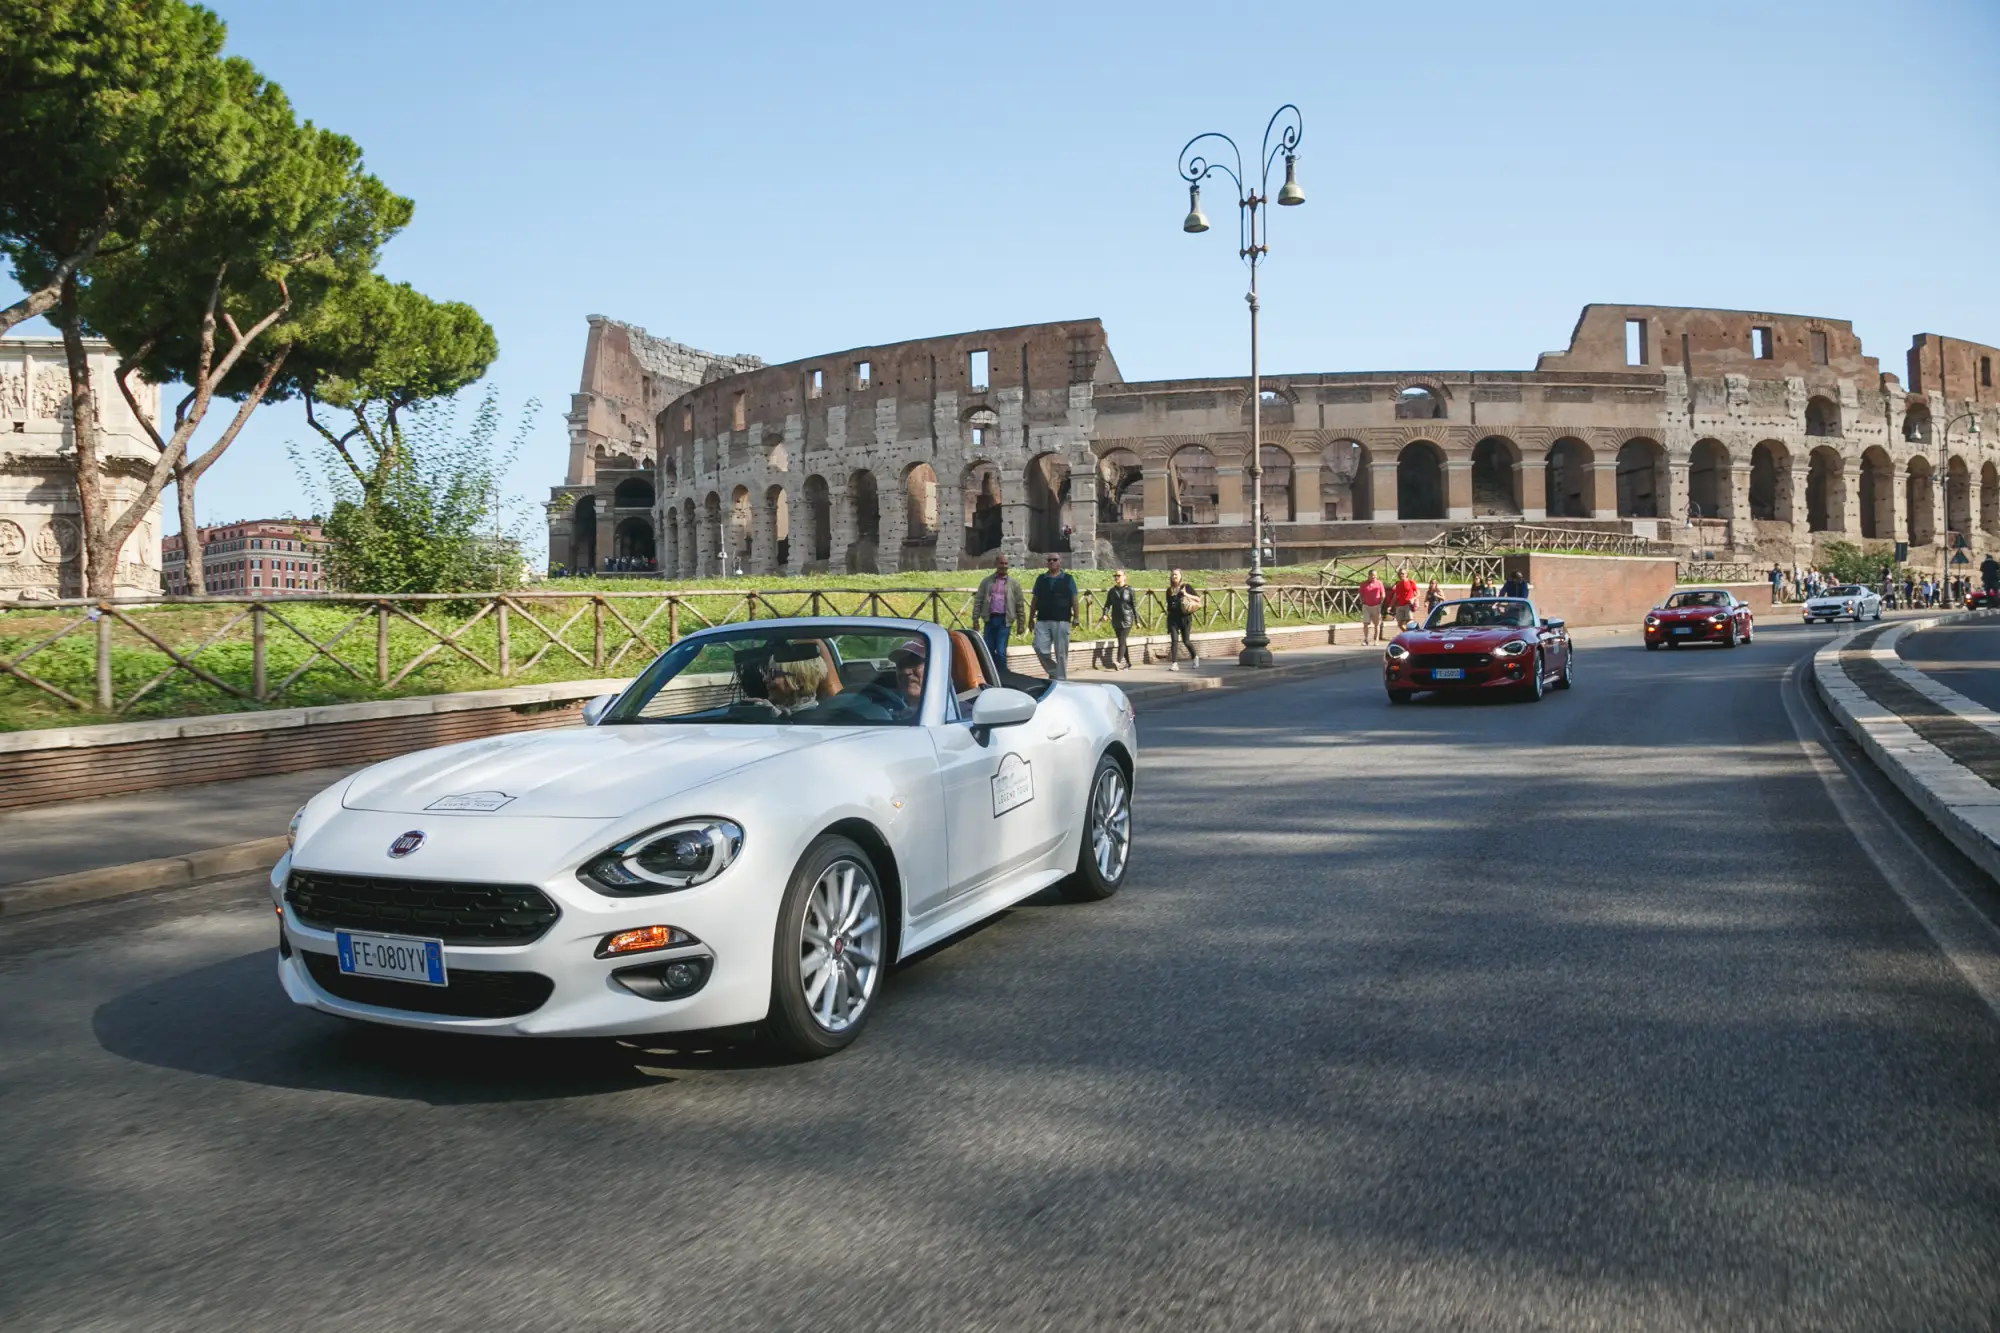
258, 558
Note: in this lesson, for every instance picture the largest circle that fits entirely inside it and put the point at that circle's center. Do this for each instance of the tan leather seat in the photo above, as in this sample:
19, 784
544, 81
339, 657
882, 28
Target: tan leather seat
968, 672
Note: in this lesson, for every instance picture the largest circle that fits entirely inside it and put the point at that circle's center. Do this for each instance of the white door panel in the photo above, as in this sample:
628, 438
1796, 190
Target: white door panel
1002, 812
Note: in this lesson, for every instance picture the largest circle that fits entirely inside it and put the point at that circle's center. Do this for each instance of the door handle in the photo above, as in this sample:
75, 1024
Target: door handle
1058, 731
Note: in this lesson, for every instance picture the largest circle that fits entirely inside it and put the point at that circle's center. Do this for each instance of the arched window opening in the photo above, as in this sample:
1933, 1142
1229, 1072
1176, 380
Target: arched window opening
920, 505
1495, 488
1877, 493
632, 540
1420, 485
741, 541
1989, 499
1917, 422
1826, 491
1918, 502
778, 513
1048, 503
1278, 502
1192, 495
1639, 478
583, 534
1957, 496
1121, 488
1346, 481
818, 517
1417, 403
1768, 466
867, 510
633, 493
980, 491
1708, 480
1567, 485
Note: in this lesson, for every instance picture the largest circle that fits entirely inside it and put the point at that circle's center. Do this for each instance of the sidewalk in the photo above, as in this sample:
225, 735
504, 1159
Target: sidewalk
1941, 749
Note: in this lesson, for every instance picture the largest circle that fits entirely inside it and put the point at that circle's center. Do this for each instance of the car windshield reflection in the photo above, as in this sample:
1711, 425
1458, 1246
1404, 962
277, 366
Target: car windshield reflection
1681, 600
1482, 615
838, 676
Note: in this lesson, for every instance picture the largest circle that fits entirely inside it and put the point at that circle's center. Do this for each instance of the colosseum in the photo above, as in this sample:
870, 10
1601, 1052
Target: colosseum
1748, 435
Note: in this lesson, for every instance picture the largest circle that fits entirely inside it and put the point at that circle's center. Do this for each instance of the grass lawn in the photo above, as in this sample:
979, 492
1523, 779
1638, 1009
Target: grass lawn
552, 637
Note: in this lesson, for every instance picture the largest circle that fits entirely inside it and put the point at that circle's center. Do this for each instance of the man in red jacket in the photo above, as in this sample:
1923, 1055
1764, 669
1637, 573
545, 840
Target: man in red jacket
1403, 599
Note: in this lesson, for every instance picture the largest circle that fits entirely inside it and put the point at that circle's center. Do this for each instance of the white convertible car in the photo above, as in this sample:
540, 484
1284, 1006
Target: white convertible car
766, 818
1852, 601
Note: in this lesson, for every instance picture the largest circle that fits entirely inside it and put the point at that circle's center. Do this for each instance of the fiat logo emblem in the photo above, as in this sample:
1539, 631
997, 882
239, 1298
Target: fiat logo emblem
407, 843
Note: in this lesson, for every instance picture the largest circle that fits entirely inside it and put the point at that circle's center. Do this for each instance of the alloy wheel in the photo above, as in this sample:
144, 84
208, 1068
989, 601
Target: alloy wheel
840, 945
1110, 823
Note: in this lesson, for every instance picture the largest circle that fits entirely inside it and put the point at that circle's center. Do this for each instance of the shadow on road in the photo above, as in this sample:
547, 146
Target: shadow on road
230, 1020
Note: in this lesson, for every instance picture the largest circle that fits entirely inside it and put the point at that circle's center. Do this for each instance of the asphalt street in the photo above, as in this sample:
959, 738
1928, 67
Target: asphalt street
1964, 654
1582, 1014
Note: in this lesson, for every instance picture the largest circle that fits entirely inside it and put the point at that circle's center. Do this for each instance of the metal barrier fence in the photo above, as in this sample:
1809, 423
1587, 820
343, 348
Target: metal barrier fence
1717, 571
257, 650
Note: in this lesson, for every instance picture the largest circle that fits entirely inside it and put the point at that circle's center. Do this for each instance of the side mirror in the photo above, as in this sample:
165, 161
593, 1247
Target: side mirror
597, 708
1554, 622
1000, 708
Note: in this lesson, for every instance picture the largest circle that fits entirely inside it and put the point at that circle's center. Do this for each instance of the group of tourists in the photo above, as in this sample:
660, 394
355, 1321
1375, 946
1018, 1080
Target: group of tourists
1054, 606
1398, 600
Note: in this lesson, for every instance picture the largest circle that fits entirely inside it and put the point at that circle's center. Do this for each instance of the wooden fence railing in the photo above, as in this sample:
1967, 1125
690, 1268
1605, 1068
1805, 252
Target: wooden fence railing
107, 656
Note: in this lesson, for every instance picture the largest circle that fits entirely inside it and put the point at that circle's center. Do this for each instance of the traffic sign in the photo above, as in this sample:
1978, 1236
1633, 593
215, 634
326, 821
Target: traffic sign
1960, 558
1960, 543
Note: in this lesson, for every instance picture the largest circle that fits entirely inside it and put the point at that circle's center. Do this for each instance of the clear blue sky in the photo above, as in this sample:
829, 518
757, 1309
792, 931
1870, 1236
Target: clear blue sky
790, 180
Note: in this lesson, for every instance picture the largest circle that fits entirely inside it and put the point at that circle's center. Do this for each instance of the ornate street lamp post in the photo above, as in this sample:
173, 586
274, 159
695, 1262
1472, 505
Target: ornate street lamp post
1251, 197
1944, 488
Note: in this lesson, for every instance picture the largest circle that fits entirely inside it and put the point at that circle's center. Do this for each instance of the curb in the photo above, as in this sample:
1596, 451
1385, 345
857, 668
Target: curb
1963, 806
169, 872
1158, 692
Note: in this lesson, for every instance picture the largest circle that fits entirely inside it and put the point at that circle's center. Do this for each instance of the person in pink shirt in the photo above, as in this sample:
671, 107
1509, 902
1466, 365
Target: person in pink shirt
998, 604
1372, 596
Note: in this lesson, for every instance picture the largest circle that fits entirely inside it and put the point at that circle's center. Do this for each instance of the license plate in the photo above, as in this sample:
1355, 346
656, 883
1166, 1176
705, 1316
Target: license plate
1448, 673
393, 956
1684, 629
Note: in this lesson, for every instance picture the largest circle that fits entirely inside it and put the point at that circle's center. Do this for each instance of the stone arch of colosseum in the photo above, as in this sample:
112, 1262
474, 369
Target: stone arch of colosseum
940, 452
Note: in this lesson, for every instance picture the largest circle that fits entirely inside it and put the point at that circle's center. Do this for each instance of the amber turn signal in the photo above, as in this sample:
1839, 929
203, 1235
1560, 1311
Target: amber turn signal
643, 939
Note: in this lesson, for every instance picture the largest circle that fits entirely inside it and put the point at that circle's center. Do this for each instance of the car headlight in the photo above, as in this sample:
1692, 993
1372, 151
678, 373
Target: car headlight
1652, 622
1511, 648
1847, 606
1397, 652
292, 829
674, 856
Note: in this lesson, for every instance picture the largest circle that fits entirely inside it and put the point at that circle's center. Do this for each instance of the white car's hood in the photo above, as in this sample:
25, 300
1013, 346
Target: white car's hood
576, 773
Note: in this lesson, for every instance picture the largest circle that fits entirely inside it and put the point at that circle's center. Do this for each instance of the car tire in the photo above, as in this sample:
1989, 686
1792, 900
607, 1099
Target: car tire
1749, 635
1401, 696
801, 1023
1729, 636
1652, 647
1568, 677
1533, 689
1105, 853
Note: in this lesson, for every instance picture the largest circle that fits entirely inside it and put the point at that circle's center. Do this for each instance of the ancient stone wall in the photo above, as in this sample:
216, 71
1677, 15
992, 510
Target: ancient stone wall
41, 542
921, 454
1758, 434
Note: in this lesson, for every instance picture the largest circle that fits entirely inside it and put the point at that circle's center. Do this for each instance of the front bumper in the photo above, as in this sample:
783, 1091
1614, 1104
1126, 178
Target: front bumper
1696, 631
1812, 613
1412, 674
734, 920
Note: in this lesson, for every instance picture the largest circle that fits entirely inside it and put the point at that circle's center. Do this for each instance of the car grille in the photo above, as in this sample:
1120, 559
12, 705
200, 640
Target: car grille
470, 994
436, 909
1432, 661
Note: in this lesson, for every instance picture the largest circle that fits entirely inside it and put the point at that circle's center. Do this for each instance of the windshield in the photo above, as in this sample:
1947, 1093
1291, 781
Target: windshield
837, 676
1482, 615
1844, 590
1681, 599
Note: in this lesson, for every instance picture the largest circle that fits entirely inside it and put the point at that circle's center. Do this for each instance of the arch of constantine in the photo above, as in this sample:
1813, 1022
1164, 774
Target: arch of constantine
1753, 436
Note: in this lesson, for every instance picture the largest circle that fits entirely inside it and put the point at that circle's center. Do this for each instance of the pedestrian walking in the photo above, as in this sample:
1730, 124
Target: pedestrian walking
1777, 584
1121, 607
1515, 586
1433, 598
1403, 599
999, 605
1373, 595
1989, 574
1182, 603
1053, 606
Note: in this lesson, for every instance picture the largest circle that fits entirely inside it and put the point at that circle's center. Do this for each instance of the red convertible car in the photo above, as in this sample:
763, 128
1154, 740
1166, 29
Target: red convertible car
1982, 599
1483, 643
1700, 615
